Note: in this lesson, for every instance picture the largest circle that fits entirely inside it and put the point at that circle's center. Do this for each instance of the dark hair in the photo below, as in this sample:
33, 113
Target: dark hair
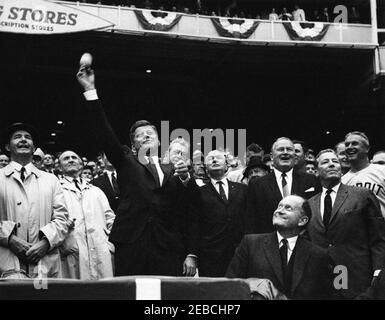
136, 125
254, 147
303, 144
306, 211
89, 168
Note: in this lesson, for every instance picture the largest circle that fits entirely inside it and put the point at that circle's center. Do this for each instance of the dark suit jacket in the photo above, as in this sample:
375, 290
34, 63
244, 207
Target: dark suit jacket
222, 226
103, 182
264, 196
258, 257
355, 237
144, 207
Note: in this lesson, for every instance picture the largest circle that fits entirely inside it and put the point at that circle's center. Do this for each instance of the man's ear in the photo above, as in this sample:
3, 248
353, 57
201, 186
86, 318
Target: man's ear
7, 147
303, 221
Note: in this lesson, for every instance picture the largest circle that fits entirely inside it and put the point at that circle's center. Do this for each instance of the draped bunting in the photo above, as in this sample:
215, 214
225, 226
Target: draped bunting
157, 20
306, 31
235, 28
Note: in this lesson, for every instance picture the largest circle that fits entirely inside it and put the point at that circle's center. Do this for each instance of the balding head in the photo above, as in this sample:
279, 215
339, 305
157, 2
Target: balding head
70, 163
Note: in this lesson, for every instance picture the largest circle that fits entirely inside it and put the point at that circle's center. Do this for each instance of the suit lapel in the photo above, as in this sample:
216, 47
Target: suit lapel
107, 183
213, 190
167, 171
273, 256
296, 183
274, 186
317, 212
232, 190
342, 194
300, 259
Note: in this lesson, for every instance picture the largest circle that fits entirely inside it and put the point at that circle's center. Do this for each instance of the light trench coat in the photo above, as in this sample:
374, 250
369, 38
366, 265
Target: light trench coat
44, 211
86, 253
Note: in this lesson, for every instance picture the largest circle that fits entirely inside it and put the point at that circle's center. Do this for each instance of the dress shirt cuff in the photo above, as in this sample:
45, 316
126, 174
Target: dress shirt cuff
192, 256
376, 272
91, 95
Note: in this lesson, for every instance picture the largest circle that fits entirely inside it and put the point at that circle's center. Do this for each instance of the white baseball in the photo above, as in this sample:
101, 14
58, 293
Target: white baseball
86, 59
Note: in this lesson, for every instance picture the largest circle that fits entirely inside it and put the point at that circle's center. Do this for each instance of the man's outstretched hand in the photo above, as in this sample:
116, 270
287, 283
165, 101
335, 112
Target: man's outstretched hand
86, 77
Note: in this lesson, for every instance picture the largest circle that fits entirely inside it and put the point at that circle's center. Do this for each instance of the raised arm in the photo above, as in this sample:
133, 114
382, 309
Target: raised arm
99, 125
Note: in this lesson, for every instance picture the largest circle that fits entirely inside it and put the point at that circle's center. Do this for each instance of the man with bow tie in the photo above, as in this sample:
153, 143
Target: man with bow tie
347, 221
155, 198
86, 252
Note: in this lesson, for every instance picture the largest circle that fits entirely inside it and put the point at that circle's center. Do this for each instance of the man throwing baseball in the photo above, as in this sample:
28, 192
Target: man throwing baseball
153, 232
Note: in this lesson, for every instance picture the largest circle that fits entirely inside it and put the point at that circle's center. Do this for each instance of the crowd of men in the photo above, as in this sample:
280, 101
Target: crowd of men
235, 9
289, 217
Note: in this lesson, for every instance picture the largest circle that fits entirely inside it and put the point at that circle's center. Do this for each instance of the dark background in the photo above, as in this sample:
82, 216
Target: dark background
301, 92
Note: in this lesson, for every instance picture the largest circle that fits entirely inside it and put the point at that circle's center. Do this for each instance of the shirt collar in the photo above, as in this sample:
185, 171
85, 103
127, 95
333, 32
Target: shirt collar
278, 173
335, 188
214, 182
290, 241
29, 168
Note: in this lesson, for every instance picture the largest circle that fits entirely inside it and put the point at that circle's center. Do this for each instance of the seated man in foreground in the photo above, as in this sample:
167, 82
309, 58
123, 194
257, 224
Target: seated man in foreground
295, 266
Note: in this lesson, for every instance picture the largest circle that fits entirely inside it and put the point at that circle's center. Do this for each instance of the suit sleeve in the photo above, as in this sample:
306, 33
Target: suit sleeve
192, 221
239, 263
104, 135
376, 231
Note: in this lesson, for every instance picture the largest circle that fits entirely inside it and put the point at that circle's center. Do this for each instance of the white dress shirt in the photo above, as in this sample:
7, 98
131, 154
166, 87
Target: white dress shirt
333, 196
158, 168
290, 244
225, 186
289, 179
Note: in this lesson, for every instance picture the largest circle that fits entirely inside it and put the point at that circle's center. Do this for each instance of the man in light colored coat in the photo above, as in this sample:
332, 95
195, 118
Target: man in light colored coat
86, 253
33, 215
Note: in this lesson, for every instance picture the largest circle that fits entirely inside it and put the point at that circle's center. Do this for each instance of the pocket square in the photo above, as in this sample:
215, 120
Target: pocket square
310, 189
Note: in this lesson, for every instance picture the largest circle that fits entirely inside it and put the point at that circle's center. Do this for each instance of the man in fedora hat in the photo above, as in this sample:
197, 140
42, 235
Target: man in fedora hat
33, 215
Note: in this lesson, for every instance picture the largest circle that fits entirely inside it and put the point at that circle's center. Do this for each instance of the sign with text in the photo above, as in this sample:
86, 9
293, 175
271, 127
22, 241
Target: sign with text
44, 17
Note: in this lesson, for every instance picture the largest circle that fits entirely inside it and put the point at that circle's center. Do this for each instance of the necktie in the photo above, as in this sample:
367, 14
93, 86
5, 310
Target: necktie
327, 208
114, 184
77, 184
285, 187
222, 192
283, 253
22, 174
151, 165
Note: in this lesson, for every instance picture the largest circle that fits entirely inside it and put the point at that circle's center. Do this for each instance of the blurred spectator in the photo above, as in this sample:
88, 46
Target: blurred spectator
300, 150
316, 15
57, 168
324, 16
341, 155
37, 159
273, 15
298, 14
48, 163
268, 161
379, 157
354, 16
285, 15
252, 149
107, 181
310, 155
4, 160
256, 168
92, 164
311, 168
87, 173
